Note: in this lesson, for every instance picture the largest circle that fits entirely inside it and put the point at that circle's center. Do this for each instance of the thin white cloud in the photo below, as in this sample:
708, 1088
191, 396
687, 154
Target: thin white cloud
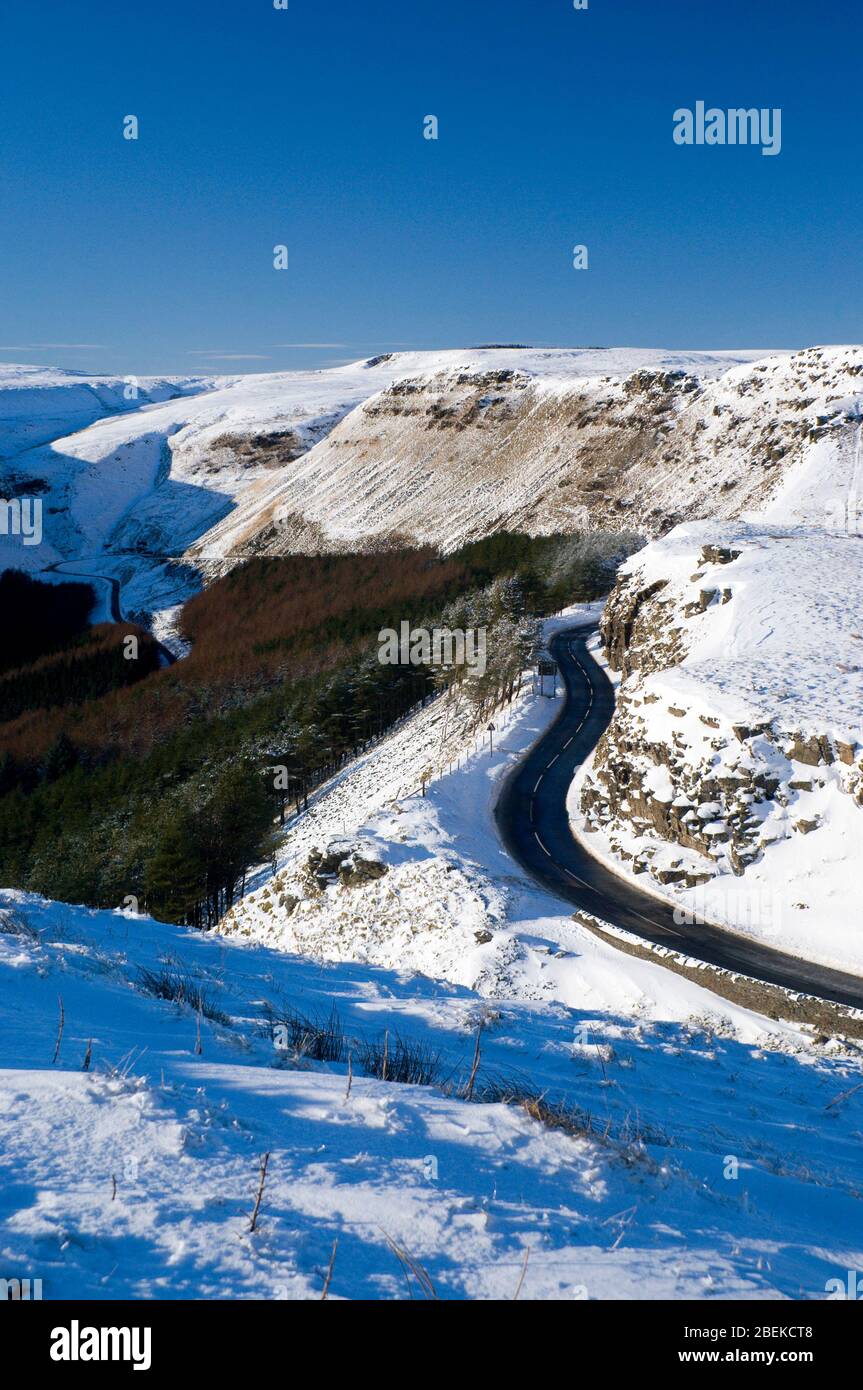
377, 343
230, 356
51, 347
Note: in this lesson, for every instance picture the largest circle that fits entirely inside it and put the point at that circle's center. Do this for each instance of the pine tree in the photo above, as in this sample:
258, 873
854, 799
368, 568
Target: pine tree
9, 778
61, 758
175, 878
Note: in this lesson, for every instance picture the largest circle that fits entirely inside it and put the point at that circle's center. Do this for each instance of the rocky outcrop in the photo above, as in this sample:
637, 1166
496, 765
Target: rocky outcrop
677, 769
705, 794
344, 865
347, 863
636, 632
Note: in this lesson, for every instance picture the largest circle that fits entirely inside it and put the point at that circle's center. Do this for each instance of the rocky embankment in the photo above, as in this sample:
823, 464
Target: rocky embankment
738, 734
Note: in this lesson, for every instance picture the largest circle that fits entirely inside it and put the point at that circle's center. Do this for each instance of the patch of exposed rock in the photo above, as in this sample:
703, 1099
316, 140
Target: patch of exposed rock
346, 863
679, 767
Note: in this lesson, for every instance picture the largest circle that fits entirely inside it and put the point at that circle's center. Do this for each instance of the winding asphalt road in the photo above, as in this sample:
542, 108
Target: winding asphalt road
533, 824
168, 657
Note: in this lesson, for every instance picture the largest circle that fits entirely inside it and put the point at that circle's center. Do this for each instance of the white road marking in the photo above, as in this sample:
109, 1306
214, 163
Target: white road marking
582, 882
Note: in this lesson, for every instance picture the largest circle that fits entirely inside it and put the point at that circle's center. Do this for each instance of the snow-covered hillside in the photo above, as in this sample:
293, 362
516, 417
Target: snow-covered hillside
732, 773
38, 404
216, 474
438, 447
560, 444
672, 1145
135, 487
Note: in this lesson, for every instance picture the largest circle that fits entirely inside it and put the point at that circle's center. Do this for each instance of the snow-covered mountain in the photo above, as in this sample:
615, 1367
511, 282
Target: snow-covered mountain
471, 448
438, 447
237, 468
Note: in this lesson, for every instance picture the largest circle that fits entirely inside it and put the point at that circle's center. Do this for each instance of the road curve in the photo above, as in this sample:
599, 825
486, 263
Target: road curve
533, 824
167, 656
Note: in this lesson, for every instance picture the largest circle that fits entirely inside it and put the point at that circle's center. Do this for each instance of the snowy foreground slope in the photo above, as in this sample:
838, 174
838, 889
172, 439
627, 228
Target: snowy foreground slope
722, 1157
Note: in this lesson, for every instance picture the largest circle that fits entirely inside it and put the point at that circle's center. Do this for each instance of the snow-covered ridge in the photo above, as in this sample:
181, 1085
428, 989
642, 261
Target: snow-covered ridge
215, 474
562, 444
767, 618
38, 404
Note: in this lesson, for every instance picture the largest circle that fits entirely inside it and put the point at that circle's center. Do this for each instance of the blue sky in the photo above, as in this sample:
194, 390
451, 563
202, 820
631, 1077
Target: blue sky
305, 127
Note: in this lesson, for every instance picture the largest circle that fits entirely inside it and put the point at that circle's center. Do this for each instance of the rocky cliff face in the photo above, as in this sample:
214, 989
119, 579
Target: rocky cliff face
739, 723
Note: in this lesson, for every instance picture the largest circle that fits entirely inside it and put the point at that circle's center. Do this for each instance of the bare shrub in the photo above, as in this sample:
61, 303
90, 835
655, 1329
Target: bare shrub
402, 1060
318, 1038
178, 986
13, 924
